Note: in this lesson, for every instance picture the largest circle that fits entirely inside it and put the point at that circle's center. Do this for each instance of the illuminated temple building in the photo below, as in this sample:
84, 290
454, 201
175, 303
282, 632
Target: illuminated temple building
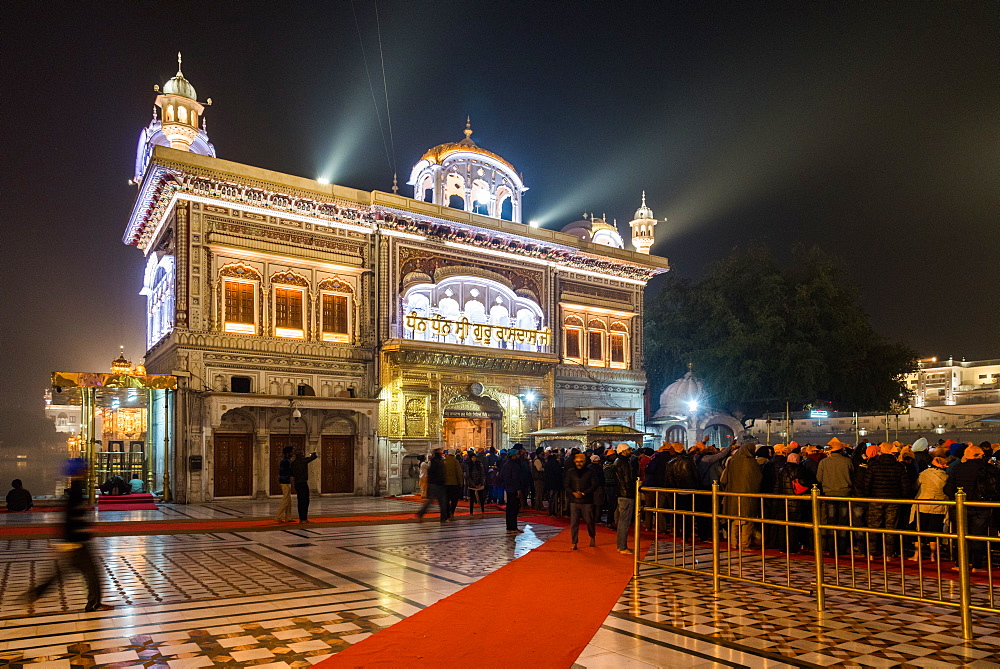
368, 326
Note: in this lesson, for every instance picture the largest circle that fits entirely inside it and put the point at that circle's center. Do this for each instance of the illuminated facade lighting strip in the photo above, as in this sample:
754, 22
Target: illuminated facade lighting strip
254, 255
263, 211
598, 310
404, 235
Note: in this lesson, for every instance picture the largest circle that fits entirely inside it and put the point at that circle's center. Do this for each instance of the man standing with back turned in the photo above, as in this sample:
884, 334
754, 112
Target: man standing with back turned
300, 473
285, 481
625, 475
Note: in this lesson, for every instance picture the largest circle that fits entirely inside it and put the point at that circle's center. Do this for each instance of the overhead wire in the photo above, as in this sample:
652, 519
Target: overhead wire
385, 87
371, 88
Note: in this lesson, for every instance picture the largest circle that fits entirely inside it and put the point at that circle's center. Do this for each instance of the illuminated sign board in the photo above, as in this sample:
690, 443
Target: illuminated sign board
463, 330
819, 414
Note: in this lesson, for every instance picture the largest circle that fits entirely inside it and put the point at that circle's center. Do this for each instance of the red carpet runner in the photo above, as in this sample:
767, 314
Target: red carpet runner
495, 622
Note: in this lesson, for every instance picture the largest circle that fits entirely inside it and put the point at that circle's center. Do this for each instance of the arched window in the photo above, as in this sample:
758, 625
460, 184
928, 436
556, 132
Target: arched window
456, 202
168, 116
676, 434
618, 346
336, 310
289, 304
572, 339
240, 286
182, 114
595, 343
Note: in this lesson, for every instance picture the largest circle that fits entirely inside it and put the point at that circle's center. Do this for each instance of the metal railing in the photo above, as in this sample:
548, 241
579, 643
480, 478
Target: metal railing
860, 559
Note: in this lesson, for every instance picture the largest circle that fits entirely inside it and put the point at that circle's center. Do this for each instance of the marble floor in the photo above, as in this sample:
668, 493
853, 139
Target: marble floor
223, 510
291, 596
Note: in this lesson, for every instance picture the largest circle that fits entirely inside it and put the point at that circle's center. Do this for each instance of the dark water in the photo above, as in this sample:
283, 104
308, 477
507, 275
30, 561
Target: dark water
39, 474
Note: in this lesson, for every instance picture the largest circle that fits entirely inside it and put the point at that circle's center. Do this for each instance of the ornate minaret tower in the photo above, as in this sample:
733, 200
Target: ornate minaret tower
179, 110
174, 123
642, 227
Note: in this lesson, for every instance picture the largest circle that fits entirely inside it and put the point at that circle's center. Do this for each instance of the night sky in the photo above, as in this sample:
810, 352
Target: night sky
869, 128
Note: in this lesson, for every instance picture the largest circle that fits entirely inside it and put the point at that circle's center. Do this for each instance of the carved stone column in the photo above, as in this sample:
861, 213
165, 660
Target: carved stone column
260, 465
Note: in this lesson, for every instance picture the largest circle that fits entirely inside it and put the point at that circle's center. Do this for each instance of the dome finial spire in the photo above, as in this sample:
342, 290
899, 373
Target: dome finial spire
178, 62
468, 127
644, 198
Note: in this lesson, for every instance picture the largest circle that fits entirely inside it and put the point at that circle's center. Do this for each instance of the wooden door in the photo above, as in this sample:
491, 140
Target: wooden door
338, 464
233, 465
278, 443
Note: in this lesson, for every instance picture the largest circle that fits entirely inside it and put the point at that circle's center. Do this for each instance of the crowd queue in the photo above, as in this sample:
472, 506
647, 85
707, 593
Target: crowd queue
598, 486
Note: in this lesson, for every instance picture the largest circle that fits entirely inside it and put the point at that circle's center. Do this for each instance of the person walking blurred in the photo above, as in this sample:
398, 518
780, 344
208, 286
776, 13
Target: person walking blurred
75, 543
435, 487
453, 479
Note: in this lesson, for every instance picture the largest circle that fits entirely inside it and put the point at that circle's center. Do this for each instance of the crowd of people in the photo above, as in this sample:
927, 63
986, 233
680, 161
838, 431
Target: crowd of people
597, 485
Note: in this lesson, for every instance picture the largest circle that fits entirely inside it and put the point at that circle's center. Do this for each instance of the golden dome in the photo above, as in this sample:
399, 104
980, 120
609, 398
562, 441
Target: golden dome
120, 365
437, 154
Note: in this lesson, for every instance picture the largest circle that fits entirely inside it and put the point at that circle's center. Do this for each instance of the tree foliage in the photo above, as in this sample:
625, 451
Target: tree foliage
758, 336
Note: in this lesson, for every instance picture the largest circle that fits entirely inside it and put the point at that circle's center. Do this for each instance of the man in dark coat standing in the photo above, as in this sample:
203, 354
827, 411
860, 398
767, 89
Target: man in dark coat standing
742, 475
981, 483
625, 475
887, 478
580, 484
512, 480
300, 474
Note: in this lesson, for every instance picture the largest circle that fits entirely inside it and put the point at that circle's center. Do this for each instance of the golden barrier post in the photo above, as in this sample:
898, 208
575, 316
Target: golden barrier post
715, 536
965, 593
817, 548
635, 562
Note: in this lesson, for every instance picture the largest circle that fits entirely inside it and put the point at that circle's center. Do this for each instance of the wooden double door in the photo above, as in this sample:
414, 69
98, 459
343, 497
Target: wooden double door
233, 465
335, 462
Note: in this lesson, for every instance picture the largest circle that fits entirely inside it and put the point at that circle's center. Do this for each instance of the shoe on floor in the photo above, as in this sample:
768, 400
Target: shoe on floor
513, 531
574, 546
593, 542
99, 607
627, 551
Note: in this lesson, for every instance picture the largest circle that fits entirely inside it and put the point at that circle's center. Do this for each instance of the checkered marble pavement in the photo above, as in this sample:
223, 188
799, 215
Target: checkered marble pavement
671, 618
282, 598
472, 558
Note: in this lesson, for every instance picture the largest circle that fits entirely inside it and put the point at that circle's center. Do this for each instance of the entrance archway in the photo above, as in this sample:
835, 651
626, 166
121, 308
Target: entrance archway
472, 422
719, 435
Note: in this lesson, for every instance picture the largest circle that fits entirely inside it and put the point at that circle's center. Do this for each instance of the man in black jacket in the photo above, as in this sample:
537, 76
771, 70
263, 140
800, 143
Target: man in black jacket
886, 478
981, 483
300, 474
436, 489
580, 484
625, 475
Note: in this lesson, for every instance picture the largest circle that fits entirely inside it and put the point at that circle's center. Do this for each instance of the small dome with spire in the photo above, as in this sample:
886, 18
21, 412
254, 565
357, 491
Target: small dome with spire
644, 212
178, 85
677, 398
121, 365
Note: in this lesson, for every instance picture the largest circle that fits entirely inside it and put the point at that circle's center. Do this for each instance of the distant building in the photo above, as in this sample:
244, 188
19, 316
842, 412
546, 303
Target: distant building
368, 326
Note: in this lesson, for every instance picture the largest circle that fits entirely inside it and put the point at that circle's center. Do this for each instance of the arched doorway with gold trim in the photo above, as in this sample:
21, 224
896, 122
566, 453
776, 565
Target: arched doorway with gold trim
472, 422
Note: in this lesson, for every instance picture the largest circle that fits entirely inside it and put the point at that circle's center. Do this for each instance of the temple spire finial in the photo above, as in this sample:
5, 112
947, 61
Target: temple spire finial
178, 62
644, 198
395, 186
468, 127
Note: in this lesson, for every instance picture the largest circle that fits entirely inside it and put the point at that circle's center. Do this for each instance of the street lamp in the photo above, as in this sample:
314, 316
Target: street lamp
939, 429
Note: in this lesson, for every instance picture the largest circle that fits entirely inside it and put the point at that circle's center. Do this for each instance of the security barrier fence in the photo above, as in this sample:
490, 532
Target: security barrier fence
710, 532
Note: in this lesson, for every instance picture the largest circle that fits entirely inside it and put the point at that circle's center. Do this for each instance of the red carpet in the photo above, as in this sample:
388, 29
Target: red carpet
140, 501
540, 610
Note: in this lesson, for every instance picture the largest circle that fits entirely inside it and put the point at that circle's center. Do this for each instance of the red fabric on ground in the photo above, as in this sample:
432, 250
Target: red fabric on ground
142, 501
566, 592
105, 528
